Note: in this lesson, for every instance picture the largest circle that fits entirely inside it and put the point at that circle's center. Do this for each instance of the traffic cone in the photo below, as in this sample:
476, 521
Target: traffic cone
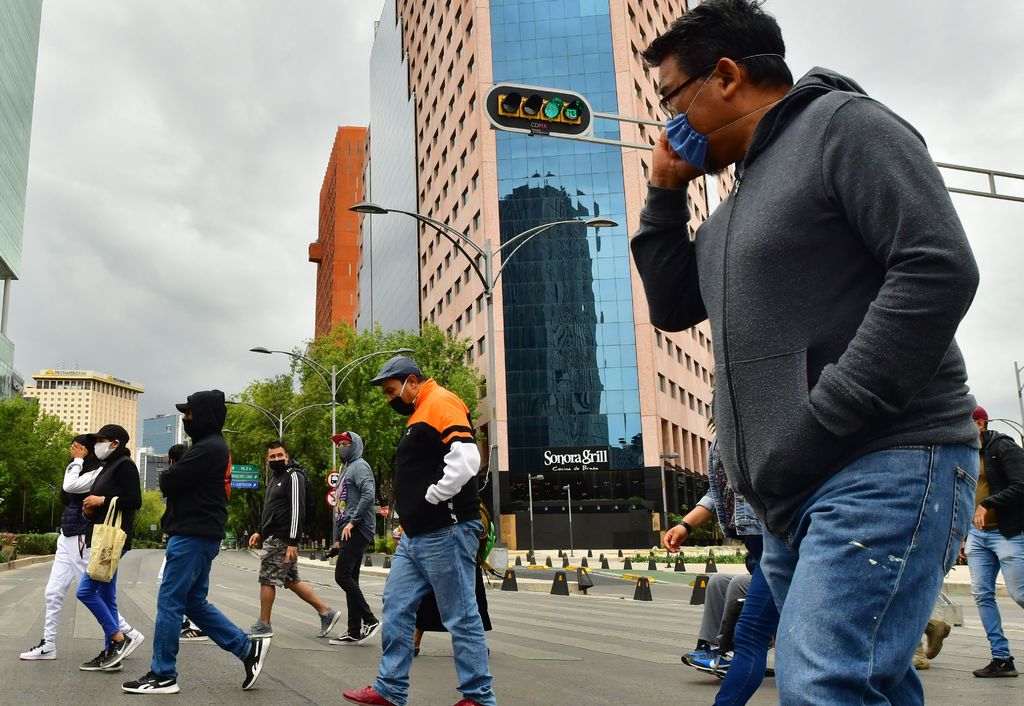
519, 562
565, 561
710, 567
583, 580
547, 562
651, 564
509, 582
620, 553
560, 553
604, 563
559, 587
627, 565
643, 590
367, 561
700, 589
680, 564
584, 563
590, 553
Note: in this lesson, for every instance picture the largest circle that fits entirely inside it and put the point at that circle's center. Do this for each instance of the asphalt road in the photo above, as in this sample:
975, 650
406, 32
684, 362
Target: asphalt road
600, 649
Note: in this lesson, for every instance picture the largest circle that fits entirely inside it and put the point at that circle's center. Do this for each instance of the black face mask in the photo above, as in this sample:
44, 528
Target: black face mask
190, 427
278, 466
402, 407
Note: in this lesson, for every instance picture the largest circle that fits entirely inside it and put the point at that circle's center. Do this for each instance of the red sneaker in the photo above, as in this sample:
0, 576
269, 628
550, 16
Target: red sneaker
366, 696
467, 702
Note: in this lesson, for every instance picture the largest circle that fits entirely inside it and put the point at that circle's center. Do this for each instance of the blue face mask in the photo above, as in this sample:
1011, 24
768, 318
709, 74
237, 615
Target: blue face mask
686, 141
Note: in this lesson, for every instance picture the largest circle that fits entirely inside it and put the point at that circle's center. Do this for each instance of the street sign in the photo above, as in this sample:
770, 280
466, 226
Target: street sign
245, 468
333, 479
245, 476
535, 110
245, 484
331, 500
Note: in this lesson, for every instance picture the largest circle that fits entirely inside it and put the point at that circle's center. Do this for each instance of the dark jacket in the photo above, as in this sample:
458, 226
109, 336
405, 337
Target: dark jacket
834, 278
1004, 468
359, 489
441, 421
119, 478
197, 487
79, 472
284, 507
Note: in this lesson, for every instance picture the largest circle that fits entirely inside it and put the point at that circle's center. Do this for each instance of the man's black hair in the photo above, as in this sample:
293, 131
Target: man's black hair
176, 452
719, 29
277, 444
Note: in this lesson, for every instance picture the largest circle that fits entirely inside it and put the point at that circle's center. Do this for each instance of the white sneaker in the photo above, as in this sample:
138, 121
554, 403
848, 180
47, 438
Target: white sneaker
44, 650
137, 638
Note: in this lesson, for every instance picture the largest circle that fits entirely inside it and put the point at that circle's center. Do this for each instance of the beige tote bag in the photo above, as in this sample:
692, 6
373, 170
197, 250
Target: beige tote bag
107, 542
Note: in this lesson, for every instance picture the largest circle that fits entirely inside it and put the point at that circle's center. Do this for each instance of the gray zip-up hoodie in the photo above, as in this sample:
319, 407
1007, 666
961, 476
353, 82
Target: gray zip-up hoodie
359, 489
834, 277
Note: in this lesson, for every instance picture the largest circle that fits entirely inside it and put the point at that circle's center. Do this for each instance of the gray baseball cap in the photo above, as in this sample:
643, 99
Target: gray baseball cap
397, 368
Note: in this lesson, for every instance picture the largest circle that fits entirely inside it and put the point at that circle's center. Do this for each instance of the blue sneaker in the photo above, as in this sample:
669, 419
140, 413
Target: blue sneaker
714, 663
688, 658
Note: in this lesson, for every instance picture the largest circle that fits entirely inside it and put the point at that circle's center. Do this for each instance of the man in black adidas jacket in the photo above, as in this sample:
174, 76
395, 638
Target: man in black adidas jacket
197, 489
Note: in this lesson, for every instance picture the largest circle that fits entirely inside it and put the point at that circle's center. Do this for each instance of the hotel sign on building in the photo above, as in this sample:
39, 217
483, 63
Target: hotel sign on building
85, 400
576, 458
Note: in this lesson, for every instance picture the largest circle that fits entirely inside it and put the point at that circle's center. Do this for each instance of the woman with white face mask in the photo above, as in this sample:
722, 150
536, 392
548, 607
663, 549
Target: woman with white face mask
118, 479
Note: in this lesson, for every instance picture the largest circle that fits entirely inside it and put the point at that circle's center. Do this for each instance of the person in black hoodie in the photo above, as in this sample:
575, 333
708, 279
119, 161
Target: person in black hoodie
995, 541
72, 556
197, 490
118, 479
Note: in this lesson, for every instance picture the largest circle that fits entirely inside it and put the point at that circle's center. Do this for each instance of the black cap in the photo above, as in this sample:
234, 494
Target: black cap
181, 407
114, 432
398, 368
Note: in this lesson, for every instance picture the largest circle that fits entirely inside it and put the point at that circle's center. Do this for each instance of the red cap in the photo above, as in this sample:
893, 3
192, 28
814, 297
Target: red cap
980, 413
345, 436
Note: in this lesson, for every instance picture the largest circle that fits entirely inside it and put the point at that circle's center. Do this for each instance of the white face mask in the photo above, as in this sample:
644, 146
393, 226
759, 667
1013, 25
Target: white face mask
103, 449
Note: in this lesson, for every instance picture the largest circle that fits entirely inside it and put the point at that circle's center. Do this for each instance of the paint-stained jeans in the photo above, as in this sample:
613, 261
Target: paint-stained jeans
857, 578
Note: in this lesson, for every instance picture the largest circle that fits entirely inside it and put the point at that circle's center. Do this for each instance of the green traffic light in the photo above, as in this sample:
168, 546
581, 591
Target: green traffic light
573, 110
553, 108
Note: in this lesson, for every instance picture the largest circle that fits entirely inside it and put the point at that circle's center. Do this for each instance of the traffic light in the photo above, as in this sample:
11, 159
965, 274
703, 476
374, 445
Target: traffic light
538, 111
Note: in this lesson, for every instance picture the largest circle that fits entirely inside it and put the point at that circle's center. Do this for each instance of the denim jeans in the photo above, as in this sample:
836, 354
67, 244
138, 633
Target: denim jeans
858, 575
988, 551
183, 590
101, 600
751, 640
443, 561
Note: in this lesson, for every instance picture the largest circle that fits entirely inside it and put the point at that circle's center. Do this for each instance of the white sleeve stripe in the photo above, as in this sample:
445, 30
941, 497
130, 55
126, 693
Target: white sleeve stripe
294, 529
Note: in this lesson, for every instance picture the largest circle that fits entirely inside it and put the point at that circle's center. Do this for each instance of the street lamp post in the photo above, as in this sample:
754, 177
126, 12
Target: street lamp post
529, 486
664, 493
334, 385
488, 278
1017, 370
568, 495
1016, 426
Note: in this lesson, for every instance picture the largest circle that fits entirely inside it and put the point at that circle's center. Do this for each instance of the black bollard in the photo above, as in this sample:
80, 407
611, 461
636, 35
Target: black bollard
509, 582
627, 565
643, 590
583, 580
519, 562
710, 567
559, 587
604, 563
700, 589
680, 564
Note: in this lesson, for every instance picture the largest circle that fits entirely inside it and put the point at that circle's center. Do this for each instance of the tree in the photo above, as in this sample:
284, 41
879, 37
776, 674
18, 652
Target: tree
149, 514
34, 450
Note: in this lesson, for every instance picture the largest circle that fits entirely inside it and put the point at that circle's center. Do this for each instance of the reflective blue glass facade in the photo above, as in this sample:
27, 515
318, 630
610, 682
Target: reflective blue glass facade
570, 350
161, 432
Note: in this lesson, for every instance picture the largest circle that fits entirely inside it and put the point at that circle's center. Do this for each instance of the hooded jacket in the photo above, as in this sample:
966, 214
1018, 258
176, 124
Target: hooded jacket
1004, 468
359, 490
197, 487
834, 277
284, 507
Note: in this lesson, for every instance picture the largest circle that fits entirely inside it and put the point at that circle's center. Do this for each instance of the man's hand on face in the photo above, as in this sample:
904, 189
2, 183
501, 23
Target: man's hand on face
668, 169
291, 555
78, 451
254, 539
674, 538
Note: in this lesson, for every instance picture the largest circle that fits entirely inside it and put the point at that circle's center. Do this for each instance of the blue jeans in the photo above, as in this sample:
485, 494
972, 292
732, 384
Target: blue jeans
101, 600
858, 575
753, 635
443, 561
183, 590
987, 552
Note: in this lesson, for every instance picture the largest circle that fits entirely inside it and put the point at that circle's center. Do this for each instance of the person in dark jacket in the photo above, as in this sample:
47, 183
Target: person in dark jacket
284, 515
834, 277
197, 489
995, 541
72, 556
117, 480
356, 527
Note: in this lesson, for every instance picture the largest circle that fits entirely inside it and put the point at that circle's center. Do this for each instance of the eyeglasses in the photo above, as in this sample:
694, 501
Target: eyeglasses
681, 87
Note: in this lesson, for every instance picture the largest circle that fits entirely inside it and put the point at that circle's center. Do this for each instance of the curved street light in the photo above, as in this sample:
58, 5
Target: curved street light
488, 278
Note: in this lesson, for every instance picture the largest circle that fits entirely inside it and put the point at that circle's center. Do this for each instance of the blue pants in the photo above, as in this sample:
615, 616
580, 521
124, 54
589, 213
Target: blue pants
988, 551
751, 639
443, 561
858, 575
101, 600
183, 590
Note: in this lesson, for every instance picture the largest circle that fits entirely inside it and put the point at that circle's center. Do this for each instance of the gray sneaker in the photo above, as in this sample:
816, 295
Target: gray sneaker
261, 629
327, 622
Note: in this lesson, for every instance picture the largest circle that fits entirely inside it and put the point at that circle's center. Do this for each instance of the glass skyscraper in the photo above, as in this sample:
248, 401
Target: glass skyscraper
19, 48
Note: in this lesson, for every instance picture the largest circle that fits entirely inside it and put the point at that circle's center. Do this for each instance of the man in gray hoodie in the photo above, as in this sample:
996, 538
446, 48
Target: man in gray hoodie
356, 530
834, 277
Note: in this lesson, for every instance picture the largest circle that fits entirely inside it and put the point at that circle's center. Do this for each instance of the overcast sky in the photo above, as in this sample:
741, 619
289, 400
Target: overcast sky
178, 149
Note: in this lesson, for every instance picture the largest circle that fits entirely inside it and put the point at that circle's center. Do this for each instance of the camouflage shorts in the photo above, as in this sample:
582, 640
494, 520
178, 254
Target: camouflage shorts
274, 571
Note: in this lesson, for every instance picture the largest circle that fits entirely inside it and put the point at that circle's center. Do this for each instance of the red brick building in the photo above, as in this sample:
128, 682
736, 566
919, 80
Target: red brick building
336, 250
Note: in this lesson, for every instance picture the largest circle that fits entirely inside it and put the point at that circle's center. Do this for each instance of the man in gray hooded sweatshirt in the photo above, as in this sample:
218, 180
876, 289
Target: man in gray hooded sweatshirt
834, 277
356, 530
